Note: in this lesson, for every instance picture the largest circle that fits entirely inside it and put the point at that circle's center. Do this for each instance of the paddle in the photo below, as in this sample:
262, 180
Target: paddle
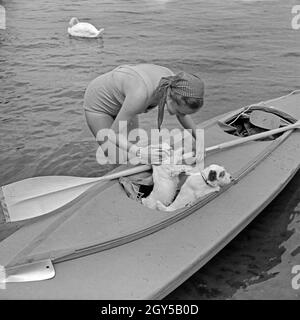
264, 120
37, 196
261, 135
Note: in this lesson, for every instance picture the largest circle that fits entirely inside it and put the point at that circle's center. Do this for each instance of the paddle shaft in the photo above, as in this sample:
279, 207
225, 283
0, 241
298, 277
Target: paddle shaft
123, 173
218, 147
38, 204
240, 141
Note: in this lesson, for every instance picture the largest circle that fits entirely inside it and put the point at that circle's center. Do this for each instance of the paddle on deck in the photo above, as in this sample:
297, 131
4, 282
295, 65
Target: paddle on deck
261, 135
37, 196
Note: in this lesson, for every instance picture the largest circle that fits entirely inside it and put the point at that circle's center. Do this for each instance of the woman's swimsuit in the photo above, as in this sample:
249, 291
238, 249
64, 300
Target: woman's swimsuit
103, 96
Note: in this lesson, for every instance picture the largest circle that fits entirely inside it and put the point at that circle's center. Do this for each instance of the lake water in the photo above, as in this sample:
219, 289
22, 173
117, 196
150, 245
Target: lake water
246, 52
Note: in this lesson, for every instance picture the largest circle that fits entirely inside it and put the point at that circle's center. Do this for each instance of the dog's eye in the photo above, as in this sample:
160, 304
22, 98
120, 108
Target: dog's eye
222, 174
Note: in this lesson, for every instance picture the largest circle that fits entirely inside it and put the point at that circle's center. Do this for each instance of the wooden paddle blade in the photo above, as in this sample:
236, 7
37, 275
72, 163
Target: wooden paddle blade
38, 186
35, 271
264, 120
40, 198
37, 196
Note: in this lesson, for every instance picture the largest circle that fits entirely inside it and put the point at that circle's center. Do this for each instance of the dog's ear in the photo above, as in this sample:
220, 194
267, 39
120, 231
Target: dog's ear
212, 176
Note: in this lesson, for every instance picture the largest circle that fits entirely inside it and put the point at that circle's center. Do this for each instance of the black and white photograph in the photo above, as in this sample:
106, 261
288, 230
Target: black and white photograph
150, 150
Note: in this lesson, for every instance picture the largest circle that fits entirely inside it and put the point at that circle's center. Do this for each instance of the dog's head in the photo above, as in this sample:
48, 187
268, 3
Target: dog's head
216, 175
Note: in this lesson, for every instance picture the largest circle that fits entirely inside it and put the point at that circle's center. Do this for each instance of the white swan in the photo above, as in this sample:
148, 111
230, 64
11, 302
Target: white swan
83, 29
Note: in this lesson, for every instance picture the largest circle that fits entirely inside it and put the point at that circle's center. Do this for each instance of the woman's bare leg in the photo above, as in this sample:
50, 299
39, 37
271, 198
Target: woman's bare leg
98, 121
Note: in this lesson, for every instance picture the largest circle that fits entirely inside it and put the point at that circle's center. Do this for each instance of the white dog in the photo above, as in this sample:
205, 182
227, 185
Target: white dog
165, 179
197, 185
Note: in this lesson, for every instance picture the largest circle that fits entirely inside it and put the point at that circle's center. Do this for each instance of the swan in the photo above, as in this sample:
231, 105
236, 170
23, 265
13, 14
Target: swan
83, 29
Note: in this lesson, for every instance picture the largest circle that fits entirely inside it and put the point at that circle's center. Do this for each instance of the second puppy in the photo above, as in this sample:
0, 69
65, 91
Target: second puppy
197, 185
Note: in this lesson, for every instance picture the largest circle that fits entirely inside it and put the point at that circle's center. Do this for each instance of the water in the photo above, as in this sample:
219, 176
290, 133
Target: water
246, 51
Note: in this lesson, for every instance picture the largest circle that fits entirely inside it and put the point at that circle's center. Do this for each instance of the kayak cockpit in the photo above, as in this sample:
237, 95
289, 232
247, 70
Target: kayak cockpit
245, 122
254, 120
137, 186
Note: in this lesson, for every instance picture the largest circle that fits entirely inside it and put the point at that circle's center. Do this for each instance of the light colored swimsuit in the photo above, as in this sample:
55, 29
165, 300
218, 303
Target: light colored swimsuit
103, 96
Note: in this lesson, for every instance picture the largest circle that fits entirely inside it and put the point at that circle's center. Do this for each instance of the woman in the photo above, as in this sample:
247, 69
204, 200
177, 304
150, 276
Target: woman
129, 90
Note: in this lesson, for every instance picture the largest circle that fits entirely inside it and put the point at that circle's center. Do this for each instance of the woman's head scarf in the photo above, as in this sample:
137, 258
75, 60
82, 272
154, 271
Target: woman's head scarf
184, 84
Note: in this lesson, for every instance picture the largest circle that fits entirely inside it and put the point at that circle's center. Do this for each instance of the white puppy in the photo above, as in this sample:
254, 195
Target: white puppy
197, 185
165, 179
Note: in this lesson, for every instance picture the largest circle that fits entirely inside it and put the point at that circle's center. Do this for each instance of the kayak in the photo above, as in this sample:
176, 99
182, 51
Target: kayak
105, 245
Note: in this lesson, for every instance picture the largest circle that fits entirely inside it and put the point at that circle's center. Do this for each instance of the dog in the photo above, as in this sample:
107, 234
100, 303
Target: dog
165, 179
197, 185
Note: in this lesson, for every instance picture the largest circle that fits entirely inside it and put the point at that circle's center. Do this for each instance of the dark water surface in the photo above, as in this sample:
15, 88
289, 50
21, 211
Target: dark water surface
246, 51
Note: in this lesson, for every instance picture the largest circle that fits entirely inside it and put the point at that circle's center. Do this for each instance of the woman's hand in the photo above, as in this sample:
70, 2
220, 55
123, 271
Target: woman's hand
153, 154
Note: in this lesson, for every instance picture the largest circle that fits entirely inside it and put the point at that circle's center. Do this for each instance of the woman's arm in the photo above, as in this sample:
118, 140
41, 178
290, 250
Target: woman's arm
198, 141
187, 122
134, 104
